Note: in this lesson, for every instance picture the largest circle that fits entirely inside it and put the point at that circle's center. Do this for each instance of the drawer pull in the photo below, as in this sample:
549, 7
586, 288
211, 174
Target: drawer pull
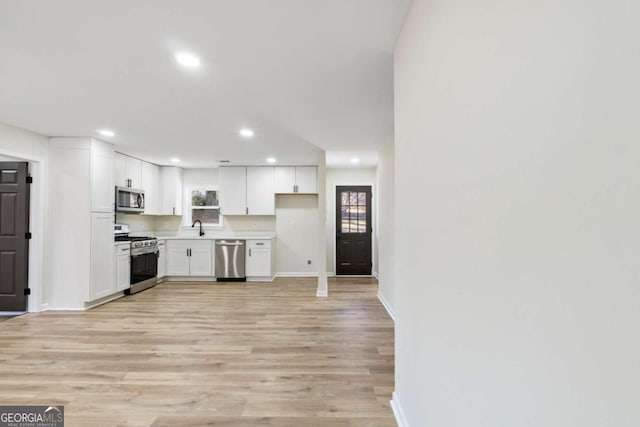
259, 243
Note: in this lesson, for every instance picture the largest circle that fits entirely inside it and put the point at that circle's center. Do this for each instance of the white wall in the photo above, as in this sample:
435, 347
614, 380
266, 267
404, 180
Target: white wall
28, 146
296, 234
518, 206
348, 176
385, 204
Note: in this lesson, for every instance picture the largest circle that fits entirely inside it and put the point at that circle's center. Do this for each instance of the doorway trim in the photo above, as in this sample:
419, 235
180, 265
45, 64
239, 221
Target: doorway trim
38, 207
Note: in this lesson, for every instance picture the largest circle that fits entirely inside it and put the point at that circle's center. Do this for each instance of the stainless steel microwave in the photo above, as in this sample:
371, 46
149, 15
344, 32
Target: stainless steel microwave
129, 200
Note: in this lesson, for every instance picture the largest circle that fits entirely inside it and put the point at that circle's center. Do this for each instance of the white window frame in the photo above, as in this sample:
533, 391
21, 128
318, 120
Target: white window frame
187, 217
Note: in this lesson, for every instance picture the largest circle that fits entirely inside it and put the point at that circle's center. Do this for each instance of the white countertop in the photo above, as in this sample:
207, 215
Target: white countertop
210, 235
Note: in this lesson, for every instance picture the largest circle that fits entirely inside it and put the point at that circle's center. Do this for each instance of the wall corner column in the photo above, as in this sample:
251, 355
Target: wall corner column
323, 286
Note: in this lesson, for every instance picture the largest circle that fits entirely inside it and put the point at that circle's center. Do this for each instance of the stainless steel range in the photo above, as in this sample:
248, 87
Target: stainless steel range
144, 259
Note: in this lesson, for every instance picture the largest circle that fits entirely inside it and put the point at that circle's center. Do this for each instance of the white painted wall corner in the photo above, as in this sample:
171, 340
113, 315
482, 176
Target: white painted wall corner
398, 412
387, 306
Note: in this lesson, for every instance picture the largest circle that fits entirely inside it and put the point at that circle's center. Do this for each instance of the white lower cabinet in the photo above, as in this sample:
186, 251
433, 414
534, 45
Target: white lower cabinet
123, 267
102, 282
189, 258
259, 259
162, 259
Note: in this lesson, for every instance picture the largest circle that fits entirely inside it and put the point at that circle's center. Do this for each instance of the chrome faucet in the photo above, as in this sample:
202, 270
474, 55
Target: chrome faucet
194, 224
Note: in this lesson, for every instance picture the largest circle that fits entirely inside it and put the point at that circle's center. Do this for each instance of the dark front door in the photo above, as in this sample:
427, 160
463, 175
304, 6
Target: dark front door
353, 230
14, 225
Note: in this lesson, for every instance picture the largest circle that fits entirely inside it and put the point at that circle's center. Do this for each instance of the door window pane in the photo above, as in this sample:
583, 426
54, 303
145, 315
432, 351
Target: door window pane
353, 212
344, 216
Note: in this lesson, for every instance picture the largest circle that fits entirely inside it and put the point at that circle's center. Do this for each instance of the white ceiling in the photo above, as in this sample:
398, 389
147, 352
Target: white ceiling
304, 74
351, 159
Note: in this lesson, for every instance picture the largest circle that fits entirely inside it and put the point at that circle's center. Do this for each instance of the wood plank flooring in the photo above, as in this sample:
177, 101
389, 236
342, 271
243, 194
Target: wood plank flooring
214, 354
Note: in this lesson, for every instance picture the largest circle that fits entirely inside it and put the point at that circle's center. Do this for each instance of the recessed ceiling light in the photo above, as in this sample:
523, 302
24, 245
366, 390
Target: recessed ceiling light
246, 133
355, 160
187, 60
106, 132
175, 160
271, 159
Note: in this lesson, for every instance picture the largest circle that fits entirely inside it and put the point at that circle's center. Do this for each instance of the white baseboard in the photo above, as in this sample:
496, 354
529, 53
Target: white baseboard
297, 274
375, 274
189, 279
331, 274
260, 279
104, 300
322, 294
356, 276
387, 307
401, 420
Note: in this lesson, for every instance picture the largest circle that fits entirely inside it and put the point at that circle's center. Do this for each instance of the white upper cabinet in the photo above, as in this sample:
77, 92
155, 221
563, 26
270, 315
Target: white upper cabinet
285, 179
306, 179
102, 187
296, 179
151, 185
233, 190
171, 191
128, 172
134, 172
261, 191
120, 168
247, 190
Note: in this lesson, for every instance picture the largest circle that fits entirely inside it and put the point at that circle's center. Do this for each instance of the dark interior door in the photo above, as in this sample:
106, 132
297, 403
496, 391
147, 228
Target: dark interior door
353, 230
14, 225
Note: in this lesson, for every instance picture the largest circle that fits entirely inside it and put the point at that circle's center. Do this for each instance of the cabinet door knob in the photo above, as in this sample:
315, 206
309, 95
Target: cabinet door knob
249, 251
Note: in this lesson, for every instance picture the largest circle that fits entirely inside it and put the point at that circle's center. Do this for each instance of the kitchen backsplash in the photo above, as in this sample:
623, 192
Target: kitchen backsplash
173, 224
137, 223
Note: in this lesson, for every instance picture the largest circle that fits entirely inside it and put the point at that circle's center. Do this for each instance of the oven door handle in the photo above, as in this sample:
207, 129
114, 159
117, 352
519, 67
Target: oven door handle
145, 253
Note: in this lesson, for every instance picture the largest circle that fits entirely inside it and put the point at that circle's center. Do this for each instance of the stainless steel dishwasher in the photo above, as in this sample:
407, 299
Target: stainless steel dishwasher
230, 261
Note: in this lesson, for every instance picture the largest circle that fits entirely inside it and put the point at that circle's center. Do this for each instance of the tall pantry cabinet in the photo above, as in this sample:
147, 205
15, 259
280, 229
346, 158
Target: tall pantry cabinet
82, 195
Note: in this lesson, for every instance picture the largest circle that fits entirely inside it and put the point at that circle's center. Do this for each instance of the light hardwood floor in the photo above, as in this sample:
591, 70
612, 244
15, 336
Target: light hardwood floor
192, 354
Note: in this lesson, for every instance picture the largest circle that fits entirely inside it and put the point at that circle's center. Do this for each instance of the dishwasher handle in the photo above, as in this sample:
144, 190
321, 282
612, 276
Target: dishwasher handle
230, 243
